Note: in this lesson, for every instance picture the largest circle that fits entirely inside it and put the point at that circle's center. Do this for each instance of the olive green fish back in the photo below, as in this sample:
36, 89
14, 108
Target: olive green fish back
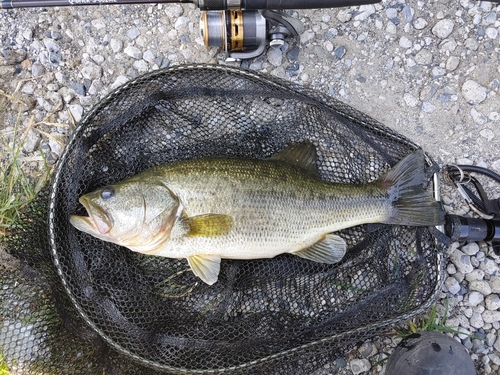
127, 313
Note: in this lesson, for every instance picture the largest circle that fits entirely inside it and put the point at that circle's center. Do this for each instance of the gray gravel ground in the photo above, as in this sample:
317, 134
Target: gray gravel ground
429, 70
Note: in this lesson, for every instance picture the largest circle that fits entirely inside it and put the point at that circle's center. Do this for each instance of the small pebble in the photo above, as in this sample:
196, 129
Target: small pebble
491, 316
133, 51
475, 298
359, 366
443, 28
473, 92
420, 23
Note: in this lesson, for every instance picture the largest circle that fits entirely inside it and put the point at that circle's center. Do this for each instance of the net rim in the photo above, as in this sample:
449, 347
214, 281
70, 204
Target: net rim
268, 80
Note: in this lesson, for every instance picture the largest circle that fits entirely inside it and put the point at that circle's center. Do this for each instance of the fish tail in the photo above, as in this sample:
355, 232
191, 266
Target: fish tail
410, 203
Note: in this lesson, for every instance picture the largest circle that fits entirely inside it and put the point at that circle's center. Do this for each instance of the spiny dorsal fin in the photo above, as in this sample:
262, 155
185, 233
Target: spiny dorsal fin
301, 155
209, 225
331, 249
206, 267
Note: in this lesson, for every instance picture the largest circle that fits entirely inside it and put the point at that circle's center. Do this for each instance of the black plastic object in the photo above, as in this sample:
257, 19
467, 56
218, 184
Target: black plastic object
430, 353
461, 228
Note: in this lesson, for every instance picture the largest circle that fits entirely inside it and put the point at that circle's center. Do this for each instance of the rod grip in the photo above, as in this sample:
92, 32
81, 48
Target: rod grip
302, 4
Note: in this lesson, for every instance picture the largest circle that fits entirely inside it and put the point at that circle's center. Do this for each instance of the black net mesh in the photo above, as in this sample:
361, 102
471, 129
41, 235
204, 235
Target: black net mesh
130, 313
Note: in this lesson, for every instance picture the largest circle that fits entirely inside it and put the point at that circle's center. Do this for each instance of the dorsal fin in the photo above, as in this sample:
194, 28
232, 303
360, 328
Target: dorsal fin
301, 155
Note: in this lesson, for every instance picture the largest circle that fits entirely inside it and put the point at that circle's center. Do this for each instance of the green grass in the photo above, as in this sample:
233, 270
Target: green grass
430, 322
4, 369
18, 185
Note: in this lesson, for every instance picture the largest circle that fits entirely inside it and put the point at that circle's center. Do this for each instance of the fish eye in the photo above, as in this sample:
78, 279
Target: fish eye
107, 193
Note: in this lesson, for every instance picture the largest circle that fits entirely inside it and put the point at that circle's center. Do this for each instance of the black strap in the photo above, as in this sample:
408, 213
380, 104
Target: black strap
460, 176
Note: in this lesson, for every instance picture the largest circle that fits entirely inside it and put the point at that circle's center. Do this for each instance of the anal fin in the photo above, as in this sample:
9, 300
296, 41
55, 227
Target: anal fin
331, 249
206, 267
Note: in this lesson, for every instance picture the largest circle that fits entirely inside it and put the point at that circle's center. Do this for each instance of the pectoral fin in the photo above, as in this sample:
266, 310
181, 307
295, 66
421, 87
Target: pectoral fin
329, 250
206, 267
209, 225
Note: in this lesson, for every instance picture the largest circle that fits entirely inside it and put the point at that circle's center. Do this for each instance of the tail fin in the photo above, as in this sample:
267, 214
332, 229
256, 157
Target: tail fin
411, 204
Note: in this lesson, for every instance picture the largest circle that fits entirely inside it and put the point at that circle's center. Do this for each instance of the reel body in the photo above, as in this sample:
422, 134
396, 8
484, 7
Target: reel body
243, 34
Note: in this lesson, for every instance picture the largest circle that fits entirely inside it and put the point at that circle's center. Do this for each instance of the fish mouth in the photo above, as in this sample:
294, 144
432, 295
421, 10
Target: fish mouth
98, 222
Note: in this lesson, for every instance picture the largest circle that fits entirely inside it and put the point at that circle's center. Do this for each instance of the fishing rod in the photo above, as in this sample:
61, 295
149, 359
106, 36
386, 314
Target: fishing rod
242, 28
201, 4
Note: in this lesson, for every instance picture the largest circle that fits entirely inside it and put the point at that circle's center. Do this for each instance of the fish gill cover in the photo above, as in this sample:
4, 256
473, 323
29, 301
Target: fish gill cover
101, 306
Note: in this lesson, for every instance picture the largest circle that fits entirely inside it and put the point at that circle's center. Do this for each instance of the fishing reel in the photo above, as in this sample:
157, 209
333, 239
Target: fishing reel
244, 34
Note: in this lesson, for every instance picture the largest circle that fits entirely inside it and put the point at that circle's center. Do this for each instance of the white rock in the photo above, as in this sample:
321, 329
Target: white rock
391, 28
471, 248
365, 11
478, 117
133, 33
133, 51
141, 66
491, 33
489, 267
480, 286
405, 42
494, 358
174, 10
391, 13
448, 45
120, 80
487, 133
306, 36
451, 269
476, 320
51, 45
420, 23
91, 71
492, 302
491, 316
181, 22
32, 141
328, 46
437, 71
452, 285
495, 284
476, 274
344, 15
76, 111
491, 338
473, 92
443, 28
452, 63
424, 57
461, 261
359, 366
57, 142
116, 45
410, 100
475, 298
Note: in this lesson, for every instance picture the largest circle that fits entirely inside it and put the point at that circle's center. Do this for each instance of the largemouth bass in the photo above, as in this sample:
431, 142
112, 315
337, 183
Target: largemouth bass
235, 208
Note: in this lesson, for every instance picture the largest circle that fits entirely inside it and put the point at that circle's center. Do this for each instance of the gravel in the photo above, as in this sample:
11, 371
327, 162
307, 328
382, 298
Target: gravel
430, 71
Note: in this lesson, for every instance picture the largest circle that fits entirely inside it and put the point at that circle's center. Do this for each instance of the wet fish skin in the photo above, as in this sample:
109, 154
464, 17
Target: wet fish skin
234, 208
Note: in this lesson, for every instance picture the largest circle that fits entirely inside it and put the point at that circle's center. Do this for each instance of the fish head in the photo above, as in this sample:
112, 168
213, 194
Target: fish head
137, 214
